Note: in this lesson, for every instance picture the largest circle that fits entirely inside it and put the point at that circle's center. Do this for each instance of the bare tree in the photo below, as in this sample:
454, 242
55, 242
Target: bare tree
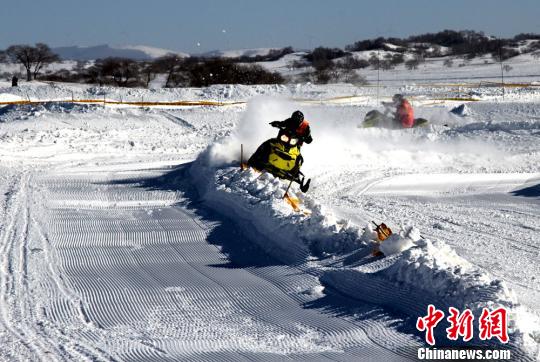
414, 62
80, 66
349, 62
32, 58
448, 63
94, 74
123, 71
374, 60
436, 51
386, 63
149, 71
170, 64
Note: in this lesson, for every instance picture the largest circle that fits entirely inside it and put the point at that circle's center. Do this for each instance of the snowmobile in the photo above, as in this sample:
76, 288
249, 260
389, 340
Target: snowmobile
376, 118
281, 157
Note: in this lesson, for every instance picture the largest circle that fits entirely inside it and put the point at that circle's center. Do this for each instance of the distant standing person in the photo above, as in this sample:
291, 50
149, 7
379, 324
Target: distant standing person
14, 81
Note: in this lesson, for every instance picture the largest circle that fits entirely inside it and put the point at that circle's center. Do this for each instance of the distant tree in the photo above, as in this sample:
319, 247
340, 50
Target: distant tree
224, 71
534, 46
348, 76
2, 56
80, 66
321, 58
372, 44
448, 62
507, 68
526, 36
375, 44
149, 71
447, 38
295, 64
123, 71
349, 62
170, 64
466, 60
374, 60
32, 58
334, 74
415, 61
386, 64
397, 59
412, 63
503, 54
62, 75
390, 61
94, 74
272, 55
322, 76
436, 52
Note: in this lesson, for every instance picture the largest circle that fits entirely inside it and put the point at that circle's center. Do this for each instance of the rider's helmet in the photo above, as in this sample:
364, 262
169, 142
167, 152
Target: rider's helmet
397, 98
297, 117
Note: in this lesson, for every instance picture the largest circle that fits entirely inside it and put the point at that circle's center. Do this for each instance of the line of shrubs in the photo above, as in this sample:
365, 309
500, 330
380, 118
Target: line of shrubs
467, 43
178, 72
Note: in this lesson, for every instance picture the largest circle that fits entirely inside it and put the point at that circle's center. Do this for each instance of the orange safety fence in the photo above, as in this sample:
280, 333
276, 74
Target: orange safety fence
134, 103
306, 100
460, 85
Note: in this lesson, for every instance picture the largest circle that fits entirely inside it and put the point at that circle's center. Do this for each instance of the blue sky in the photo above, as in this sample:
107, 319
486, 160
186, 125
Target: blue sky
203, 25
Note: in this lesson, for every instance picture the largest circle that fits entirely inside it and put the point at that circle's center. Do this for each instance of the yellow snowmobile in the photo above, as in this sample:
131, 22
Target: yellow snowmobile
281, 157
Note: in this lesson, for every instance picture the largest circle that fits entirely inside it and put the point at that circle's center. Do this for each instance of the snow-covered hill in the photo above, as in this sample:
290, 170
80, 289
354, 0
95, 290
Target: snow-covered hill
237, 53
136, 52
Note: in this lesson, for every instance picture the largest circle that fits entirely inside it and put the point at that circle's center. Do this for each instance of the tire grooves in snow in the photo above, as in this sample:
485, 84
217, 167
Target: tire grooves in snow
26, 283
147, 278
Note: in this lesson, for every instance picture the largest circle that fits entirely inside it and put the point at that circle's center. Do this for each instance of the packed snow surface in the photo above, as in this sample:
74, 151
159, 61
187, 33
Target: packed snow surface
131, 233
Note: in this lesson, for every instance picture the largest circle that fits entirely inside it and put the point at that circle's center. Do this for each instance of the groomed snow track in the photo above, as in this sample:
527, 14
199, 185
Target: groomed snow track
117, 266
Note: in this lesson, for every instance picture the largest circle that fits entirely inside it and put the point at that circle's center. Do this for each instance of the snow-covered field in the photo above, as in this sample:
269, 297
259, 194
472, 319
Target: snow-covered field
130, 233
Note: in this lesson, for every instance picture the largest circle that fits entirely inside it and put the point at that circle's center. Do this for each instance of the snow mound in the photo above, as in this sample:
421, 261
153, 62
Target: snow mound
396, 243
14, 112
461, 110
414, 273
257, 201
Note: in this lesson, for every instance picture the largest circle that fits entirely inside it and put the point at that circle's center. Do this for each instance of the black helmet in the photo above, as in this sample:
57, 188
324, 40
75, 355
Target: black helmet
397, 97
297, 116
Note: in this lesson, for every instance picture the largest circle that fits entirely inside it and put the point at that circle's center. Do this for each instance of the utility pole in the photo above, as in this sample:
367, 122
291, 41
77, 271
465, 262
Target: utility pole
502, 68
378, 72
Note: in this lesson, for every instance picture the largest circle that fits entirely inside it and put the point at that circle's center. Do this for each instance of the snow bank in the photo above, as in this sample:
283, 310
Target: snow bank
414, 273
256, 201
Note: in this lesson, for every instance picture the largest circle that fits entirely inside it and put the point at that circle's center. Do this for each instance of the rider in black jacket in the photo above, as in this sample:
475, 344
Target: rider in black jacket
296, 125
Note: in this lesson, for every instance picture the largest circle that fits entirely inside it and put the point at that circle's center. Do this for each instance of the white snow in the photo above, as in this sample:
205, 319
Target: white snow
235, 53
93, 191
153, 52
429, 271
